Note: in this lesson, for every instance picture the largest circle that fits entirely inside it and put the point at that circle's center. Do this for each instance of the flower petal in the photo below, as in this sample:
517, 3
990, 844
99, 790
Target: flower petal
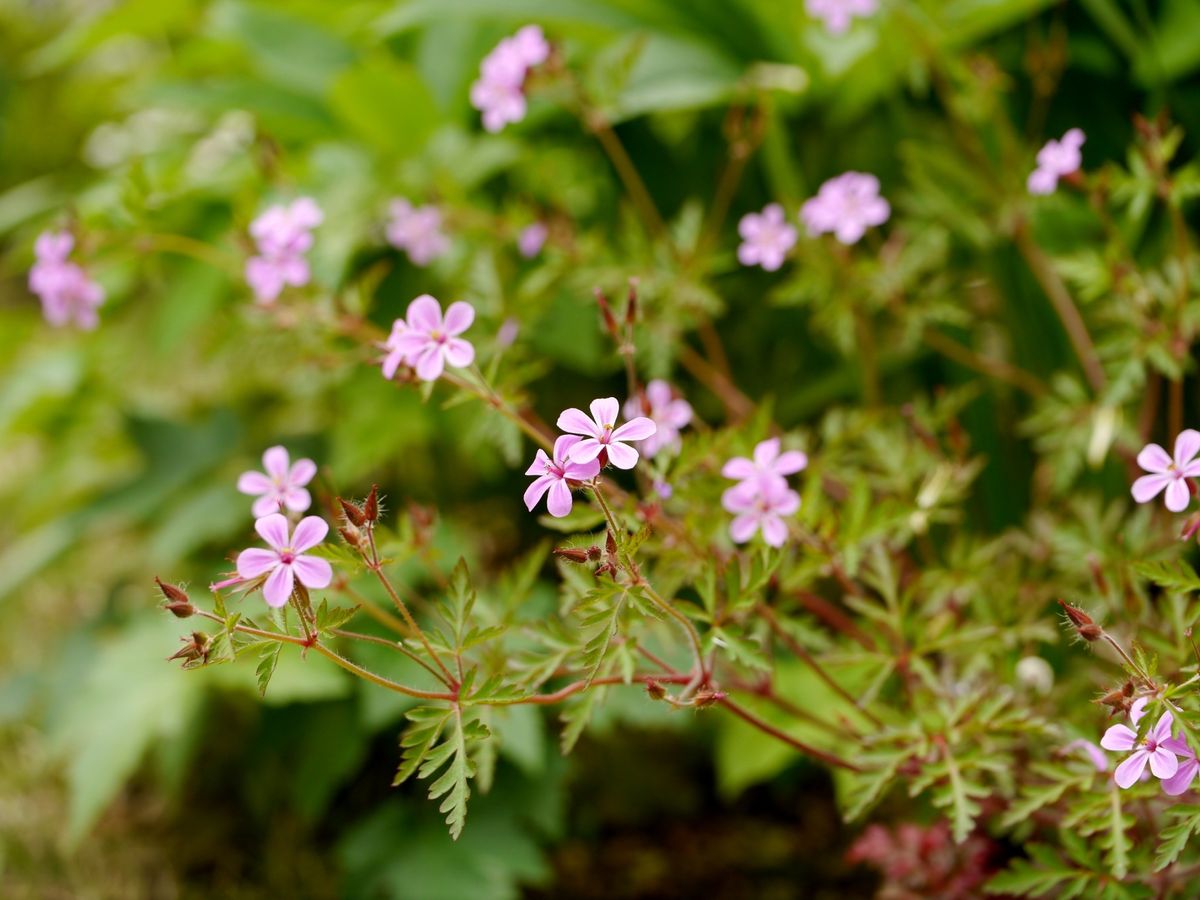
278, 586
605, 410
425, 314
297, 499
622, 455
254, 483
1187, 445
459, 353
742, 528
253, 562
791, 462
275, 461
1131, 770
635, 430
774, 531
739, 467
302, 472
313, 572
1182, 779
562, 446
430, 363
576, 421
1137, 709
559, 501
538, 466
1154, 458
1162, 728
1148, 487
265, 505
1163, 763
586, 450
534, 492
582, 471
459, 316
1119, 737
310, 532
273, 529
1178, 495
765, 452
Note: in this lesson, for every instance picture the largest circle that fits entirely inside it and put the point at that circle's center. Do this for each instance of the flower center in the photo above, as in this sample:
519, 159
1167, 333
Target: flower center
1151, 745
287, 557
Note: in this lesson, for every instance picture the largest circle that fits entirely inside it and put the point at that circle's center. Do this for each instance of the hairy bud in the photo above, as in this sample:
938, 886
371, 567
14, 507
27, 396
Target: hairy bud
570, 554
1088, 629
706, 698
353, 513
610, 322
195, 648
351, 535
371, 505
177, 600
655, 690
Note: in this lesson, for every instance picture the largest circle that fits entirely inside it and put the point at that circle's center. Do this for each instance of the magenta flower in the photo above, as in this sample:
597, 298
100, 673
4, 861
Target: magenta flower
499, 94
67, 294
286, 563
846, 206
837, 14
766, 238
427, 341
282, 487
668, 412
1186, 773
600, 434
1056, 160
768, 465
283, 234
554, 476
1169, 474
761, 506
1152, 749
417, 230
531, 239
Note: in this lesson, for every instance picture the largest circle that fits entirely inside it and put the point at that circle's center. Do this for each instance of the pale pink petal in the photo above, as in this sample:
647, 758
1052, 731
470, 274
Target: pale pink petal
302, 472
743, 527
559, 501
265, 505
1131, 770
765, 453
313, 572
1187, 445
276, 462
787, 504
430, 363
622, 455
392, 362
635, 429
1182, 779
538, 466
534, 492
658, 392
1178, 495
748, 254
297, 500
425, 313
1119, 737
278, 586
1148, 487
253, 562
586, 450
791, 462
254, 483
1138, 709
605, 410
459, 317
739, 467
774, 531
582, 471
576, 421
458, 353
1163, 763
309, 532
1162, 728
741, 497
273, 529
1154, 458
562, 446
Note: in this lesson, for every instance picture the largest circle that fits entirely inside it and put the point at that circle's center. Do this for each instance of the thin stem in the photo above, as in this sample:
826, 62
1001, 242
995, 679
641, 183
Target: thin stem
488, 395
375, 566
385, 642
181, 245
376, 612
736, 404
577, 687
626, 171
869, 364
997, 368
762, 725
379, 680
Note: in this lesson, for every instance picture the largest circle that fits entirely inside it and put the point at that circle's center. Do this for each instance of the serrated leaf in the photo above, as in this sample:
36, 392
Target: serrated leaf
1175, 837
329, 617
1173, 575
266, 665
602, 624
460, 600
575, 717
423, 755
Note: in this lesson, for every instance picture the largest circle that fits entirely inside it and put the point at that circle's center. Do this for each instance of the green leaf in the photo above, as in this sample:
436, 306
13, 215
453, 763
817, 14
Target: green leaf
386, 103
267, 662
419, 737
601, 625
1174, 575
425, 756
575, 717
460, 600
1176, 836
329, 617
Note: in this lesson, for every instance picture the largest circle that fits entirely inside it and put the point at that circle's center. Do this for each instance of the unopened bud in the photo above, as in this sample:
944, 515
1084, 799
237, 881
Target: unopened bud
610, 323
570, 554
1088, 629
353, 513
177, 600
371, 505
610, 544
655, 690
631, 309
351, 535
194, 648
705, 698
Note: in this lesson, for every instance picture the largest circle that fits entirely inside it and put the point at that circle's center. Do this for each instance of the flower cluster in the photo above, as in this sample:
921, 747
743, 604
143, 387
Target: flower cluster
1167, 473
428, 341
761, 498
1056, 160
282, 234
68, 295
846, 206
766, 238
417, 230
838, 14
591, 442
499, 94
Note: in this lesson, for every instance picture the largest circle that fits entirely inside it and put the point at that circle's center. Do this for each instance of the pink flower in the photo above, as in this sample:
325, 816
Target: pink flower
601, 434
1094, 753
846, 206
554, 475
532, 239
417, 230
768, 464
283, 234
1152, 749
1169, 474
286, 563
267, 277
282, 486
837, 14
760, 505
68, 295
1056, 160
499, 93
427, 341
668, 412
1186, 773
766, 238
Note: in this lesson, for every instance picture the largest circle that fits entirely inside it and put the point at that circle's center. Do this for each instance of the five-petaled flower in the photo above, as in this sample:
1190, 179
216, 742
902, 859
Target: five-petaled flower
1154, 749
1056, 160
417, 230
1169, 474
760, 505
837, 14
768, 464
668, 412
282, 487
429, 342
766, 238
283, 234
555, 474
67, 293
499, 94
846, 206
286, 562
601, 434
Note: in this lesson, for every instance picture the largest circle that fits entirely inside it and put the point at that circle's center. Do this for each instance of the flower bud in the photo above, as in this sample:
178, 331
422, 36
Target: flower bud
655, 690
351, 535
371, 505
1088, 629
194, 648
631, 307
354, 515
570, 554
177, 600
610, 323
706, 698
